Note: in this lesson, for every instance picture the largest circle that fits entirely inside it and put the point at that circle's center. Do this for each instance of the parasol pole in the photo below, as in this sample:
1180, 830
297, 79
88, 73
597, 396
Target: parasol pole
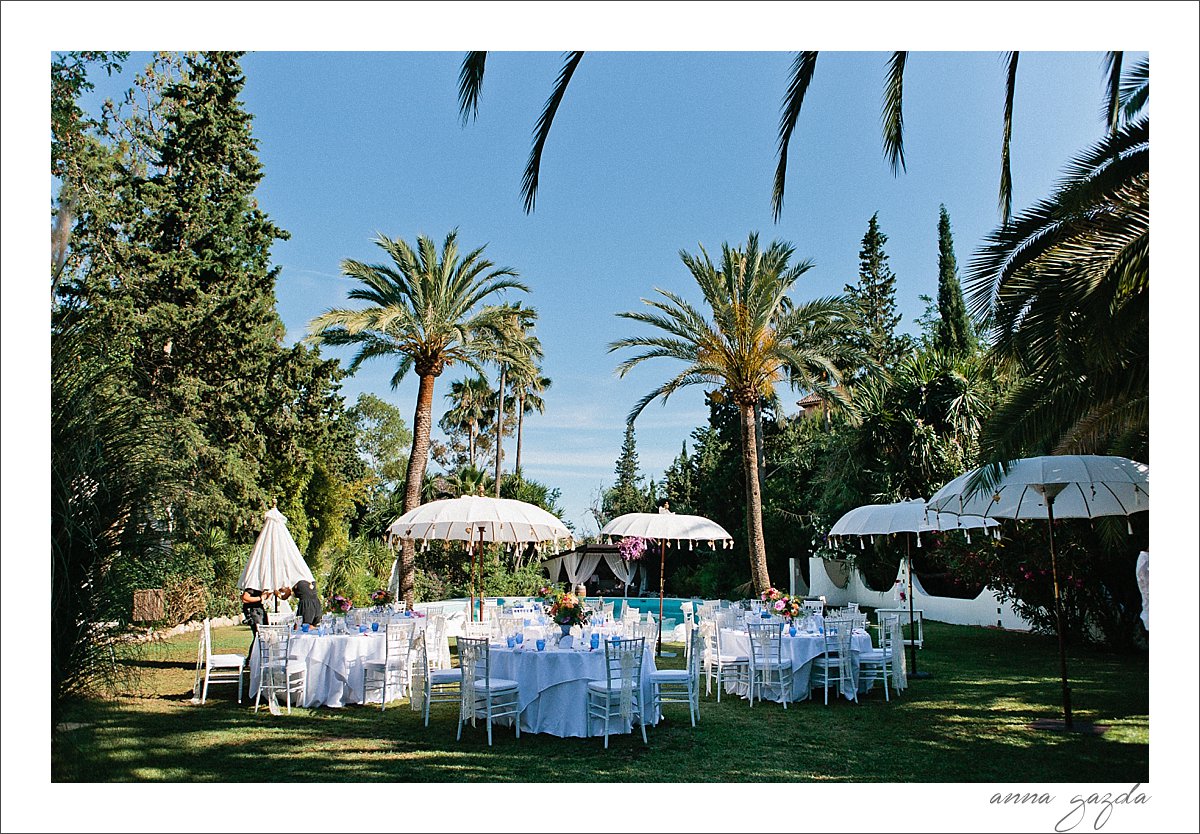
1058, 613
471, 580
662, 573
912, 628
479, 564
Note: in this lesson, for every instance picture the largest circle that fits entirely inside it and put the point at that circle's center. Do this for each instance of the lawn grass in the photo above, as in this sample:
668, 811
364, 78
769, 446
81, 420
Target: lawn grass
968, 723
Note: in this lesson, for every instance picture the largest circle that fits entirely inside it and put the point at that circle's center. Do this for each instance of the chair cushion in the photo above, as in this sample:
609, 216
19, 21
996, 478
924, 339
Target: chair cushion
670, 676
227, 660
772, 664
603, 687
733, 658
494, 685
437, 676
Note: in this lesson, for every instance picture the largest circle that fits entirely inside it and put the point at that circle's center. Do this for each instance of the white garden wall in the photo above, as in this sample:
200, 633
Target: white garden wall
984, 609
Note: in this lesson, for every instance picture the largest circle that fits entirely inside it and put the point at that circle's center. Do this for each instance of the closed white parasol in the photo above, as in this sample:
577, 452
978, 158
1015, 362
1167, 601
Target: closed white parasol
275, 561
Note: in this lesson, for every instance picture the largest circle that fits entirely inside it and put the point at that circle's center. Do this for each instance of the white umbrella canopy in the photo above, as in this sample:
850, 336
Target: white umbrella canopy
903, 517
275, 561
668, 526
476, 519
914, 517
1081, 486
1050, 487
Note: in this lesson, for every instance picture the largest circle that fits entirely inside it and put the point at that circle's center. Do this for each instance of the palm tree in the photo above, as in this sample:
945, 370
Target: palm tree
1118, 96
470, 410
515, 350
428, 311
750, 345
1065, 290
528, 390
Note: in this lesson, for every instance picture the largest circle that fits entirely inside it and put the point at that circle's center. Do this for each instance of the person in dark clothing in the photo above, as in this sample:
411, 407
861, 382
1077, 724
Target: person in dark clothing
253, 609
309, 604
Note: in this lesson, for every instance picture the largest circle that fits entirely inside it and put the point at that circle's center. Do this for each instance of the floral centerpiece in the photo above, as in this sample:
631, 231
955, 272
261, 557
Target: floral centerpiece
568, 610
382, 597
338, 604
785, 606
631, 548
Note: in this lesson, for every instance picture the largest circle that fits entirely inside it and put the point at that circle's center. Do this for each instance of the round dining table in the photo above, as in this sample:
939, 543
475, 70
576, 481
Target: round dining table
802, 650
333, 663
552, 687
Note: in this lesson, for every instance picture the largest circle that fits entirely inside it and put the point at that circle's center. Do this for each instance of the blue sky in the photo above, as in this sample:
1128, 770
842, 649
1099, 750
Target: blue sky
651, 152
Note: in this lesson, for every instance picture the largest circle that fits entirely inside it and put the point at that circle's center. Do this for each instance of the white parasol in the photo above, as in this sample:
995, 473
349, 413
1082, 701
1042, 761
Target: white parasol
475, 520
666, 527
1050, 487
275, 561
904, 517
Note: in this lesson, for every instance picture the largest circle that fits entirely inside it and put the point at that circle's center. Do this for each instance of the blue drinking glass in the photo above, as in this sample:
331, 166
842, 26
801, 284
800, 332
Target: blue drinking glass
374, 626
541, 645
304, 627
520, 638
595, 640
792, 630
510, 640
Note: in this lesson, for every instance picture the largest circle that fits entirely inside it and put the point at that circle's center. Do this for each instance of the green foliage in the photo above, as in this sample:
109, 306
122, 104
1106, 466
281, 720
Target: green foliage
1065, 290
520, 488
875, 297
471, 413
109, 469
1100, 598
627, 495
382, 439
954, 335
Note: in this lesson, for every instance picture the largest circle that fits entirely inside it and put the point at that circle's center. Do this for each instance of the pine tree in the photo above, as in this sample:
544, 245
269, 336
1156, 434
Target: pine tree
875, 295
627, 494
679, 483
954, 334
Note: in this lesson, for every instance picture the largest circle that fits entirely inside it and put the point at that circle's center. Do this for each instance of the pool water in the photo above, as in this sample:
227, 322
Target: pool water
672, 606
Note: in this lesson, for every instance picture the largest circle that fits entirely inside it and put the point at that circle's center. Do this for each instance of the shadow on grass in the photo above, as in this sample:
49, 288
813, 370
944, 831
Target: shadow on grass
966, 724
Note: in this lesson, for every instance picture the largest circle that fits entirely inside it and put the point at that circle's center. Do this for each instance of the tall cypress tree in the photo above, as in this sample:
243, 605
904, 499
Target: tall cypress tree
875, 294
953, 333
627, 495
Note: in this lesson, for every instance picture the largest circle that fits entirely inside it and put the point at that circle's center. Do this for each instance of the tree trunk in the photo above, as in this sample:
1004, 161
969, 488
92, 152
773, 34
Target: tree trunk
520, 427
471, 443
500, 432
754, 529
418, 460
758, 447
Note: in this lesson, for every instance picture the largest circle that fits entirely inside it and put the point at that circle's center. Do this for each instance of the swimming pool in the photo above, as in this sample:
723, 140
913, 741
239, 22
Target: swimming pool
672, 606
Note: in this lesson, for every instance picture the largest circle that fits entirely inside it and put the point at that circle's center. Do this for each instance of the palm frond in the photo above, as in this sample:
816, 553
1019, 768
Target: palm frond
1135, 90
1010, 94
893, 112
799, 78
529, 182
1112, 105
470, 85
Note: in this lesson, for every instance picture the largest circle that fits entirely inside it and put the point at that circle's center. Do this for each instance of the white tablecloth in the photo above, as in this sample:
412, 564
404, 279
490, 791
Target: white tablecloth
334, 665
552, 688
801, 650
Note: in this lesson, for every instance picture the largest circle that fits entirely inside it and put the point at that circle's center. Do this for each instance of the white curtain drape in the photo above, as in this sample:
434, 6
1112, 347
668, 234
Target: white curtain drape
554, 568
580, 566
621, 569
